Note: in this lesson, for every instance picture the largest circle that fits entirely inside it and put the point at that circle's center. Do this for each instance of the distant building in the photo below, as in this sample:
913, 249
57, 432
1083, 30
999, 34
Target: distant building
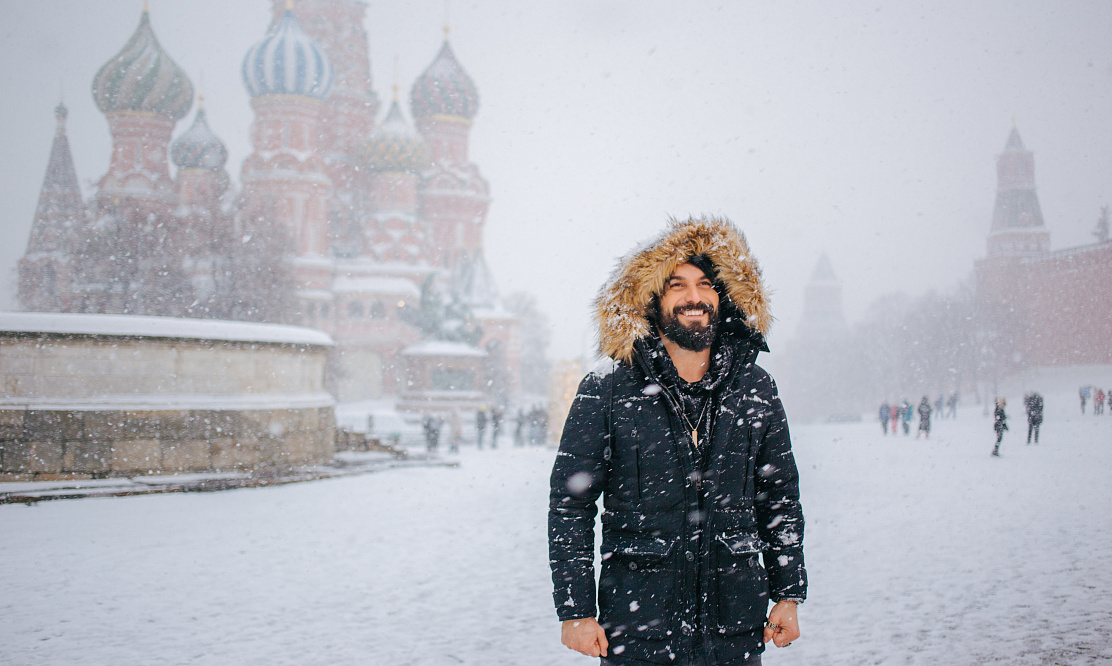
1037, 306
340, 223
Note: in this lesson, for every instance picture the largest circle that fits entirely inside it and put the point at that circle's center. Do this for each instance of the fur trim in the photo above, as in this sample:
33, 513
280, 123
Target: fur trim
622, 305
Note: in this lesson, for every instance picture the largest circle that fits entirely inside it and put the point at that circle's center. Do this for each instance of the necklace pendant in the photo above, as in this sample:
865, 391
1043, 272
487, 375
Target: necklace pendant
695, 437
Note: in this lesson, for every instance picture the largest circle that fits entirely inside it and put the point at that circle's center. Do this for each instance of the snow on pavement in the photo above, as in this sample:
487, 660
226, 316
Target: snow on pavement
920, 552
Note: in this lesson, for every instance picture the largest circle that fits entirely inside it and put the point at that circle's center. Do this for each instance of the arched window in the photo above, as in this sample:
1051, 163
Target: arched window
378, 310
355, 310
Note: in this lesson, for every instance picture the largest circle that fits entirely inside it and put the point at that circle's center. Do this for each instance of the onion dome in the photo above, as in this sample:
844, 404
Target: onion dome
444, 89
198, 147
142, 77
395, 146
287, 62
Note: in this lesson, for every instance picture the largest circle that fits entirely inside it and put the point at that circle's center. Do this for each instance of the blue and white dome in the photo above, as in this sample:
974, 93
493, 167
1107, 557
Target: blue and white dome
287, 62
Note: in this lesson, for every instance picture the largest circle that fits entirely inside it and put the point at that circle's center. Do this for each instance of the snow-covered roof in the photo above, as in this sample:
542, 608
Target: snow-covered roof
159, 327
442, 348
376, 285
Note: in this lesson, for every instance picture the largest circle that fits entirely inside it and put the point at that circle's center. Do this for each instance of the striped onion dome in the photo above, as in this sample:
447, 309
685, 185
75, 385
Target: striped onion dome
142, 77
444, 89
287, 62
395, 146
198, 147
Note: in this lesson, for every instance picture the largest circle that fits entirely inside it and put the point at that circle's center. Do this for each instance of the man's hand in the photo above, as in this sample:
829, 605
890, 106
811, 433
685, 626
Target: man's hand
783, 625
586, 636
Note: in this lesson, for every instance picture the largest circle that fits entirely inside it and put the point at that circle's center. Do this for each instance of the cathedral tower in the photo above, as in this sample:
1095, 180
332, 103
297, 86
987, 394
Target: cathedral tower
200, 157
347, 113
45, 269
285, 180
454, 196
143, 93
395, 155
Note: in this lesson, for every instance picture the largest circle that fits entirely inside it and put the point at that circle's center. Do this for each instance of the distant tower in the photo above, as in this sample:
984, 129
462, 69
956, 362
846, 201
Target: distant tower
285, 179
454, 196
44, 270
823, 318
1017, 220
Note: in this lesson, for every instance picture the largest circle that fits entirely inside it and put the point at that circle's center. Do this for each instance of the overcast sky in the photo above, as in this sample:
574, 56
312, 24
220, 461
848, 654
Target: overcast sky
868, 130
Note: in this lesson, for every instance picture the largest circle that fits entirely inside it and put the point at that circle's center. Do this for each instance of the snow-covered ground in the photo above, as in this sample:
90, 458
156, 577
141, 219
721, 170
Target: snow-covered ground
920, 552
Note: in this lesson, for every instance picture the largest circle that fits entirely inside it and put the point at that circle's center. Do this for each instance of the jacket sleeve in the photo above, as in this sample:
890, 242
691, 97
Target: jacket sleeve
779, 513
578, 477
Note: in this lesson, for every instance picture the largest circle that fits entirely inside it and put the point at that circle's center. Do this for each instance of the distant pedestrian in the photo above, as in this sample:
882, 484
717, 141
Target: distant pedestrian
885, 412
457, 431
925, 417
1033, 405
905, 416
999, 424
496, 415
952, 406
1109, 394
432, 426
1098, 402
519, 429
481, 423
938, 407
895, 416
1084, 393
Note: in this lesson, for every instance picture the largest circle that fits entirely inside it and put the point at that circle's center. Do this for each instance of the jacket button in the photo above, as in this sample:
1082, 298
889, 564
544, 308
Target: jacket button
632, 566
689, 555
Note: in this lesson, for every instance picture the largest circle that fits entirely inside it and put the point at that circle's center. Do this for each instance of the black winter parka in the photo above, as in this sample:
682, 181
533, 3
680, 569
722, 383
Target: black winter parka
681, 549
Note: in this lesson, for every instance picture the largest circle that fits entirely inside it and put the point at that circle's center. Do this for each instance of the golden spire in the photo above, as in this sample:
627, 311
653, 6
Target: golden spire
200, 101
146, 7
289, 5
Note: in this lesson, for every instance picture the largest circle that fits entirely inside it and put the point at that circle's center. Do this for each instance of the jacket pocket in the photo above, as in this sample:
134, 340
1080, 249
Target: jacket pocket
637, 585
741, 583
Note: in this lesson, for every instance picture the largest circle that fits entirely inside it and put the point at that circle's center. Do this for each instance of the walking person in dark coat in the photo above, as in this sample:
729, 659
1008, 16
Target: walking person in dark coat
884, 409
999, 424
1033, 404
496, 415
686, 440
432, 431
924, 418
481, 423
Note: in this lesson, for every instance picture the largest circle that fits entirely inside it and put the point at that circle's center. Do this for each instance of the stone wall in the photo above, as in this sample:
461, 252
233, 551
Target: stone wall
89, 396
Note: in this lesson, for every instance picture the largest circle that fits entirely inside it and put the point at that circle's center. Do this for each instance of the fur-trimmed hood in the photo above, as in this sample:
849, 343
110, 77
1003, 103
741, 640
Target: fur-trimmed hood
623, 304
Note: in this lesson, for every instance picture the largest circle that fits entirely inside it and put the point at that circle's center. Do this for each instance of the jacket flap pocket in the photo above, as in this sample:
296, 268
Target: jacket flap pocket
742, 544
640, 547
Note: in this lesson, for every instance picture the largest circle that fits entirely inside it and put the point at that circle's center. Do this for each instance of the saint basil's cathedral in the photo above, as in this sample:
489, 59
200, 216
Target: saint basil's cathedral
341, 223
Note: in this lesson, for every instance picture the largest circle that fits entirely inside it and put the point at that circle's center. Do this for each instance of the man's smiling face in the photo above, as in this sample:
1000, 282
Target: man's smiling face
689, 308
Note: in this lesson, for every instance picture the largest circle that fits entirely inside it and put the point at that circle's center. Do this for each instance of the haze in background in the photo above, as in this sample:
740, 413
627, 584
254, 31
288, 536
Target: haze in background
866, 130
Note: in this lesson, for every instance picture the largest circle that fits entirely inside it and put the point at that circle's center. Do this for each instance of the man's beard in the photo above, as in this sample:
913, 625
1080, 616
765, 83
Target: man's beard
695, 338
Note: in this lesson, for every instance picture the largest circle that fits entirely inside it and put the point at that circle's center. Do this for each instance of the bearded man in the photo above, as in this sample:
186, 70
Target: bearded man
686, 440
